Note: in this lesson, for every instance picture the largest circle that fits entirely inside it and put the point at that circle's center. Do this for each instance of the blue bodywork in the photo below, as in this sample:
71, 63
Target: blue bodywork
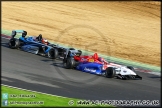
30, 43
23, 39
90, 67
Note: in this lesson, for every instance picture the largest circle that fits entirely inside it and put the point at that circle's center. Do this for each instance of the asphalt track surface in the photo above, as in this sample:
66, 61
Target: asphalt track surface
38, 73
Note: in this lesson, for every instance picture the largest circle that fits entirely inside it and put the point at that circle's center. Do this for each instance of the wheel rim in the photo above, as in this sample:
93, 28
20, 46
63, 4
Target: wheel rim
65, 65
36, 52
51, 54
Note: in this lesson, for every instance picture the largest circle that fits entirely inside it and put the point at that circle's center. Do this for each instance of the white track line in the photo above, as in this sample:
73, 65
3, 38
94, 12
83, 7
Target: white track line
32, 91
155, 73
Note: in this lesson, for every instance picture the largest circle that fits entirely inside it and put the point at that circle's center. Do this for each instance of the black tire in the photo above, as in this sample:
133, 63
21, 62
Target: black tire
110, 72
37, 52
71, 48
17, 44
80, 52
14, 43
69, 53
69, 63
11, 43
131, 68
52, 53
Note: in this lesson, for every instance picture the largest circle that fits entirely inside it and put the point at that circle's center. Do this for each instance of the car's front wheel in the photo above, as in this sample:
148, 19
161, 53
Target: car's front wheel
52, 53
110, 72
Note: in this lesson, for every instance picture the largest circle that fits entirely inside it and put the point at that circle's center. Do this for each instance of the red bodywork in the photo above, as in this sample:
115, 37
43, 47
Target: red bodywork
91, 58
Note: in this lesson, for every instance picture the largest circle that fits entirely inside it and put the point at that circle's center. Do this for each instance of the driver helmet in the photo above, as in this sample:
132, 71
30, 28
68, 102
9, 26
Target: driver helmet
72, 54
40, 35
45, 41
101, 59
77, 54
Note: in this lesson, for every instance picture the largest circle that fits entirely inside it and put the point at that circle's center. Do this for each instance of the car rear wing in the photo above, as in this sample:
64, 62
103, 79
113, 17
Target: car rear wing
73, 52
14, 32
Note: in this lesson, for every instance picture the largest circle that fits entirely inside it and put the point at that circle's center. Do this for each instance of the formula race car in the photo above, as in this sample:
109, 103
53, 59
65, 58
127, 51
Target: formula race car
97, 65
30, 44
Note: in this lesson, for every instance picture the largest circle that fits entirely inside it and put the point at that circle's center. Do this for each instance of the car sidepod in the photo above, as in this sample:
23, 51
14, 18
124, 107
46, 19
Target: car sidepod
92, 68
30, 48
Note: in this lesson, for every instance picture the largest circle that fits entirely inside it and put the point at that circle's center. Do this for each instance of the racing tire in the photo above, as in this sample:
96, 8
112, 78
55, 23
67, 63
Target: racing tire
11, 43
69, 63
131, 68
80, 52
71, 48
17, 44
52, 53
110, 72
37, 52
14, 43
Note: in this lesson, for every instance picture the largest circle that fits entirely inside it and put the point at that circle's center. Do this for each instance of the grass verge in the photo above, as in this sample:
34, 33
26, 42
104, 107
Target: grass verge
41, 100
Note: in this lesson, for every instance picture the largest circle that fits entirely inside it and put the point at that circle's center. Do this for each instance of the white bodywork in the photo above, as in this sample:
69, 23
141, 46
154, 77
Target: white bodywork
123, 70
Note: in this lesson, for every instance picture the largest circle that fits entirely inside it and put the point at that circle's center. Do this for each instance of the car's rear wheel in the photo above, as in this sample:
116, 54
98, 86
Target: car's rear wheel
17, 44
69, 63
14, 43
110, 72
11, 43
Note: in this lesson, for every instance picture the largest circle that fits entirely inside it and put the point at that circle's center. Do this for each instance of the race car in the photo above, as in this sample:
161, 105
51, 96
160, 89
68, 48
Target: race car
30, 44
63, 52
97, 65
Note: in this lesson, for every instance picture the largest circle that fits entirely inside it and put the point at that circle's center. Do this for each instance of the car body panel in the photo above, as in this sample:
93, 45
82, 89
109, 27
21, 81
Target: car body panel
93, 68
29, 43
90, 64
32, 46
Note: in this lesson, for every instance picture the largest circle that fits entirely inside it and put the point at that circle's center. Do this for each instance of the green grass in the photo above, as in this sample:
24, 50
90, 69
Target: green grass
48, 100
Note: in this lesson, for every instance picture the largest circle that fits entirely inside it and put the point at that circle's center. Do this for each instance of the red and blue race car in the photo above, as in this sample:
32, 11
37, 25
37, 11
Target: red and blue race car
97, 65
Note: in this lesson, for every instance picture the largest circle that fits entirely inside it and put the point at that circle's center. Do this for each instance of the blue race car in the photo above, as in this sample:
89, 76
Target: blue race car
30, 44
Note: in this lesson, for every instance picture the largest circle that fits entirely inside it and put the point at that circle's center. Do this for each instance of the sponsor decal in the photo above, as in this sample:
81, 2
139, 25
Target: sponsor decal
91, 70
83, 59
124, 71
91, 60
118, 70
